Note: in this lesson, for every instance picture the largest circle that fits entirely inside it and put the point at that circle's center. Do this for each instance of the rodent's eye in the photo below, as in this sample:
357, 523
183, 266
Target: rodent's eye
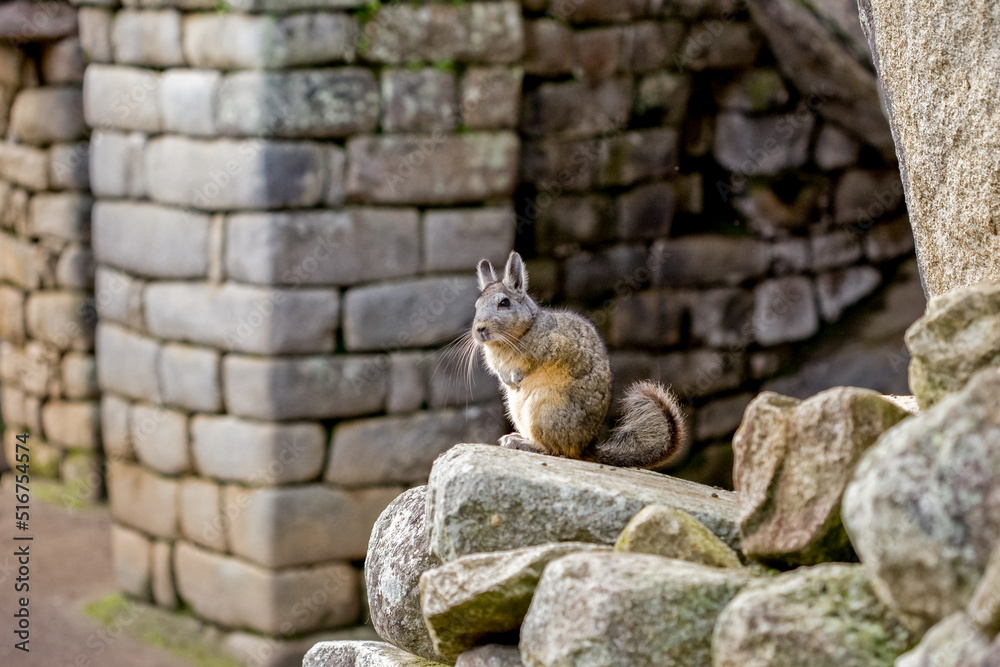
504, 303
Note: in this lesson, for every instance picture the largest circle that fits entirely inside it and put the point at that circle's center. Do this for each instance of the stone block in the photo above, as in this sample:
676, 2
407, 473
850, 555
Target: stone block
257, 453
784, 310
150, 38
638, 155
751, 91
577, 109
160, 438
763, 145
189, 378
646, 212
400, 450
75, 425
418, 100
455, 239
720, 418
597, 52
35, 368
82, 475
141, 499
862, 197
585, 11
63, 319
409, 314
491, 97
188, 99
305, 387
26, 166
569, 219
23, 21
305, 524
835, 149
230, 174
63, 215
723, 317
243, 318
649, 45
707, 260
489, 32
115, 429
286, 104
201, 517
791, 256
124, 98
115, 164
407, 382
698, 372
126, 363
835, 249
151, 240
618, 268
12, 315
131, 562
548, 47
663, 97
11, 65
95, 34
247, 41
12, 408
888, 240
328, 247
75, 268
838, 290
720, 44
62, 61
118, 297
237, 594
432, 169
79, 376
164, 592
648, 318
69, 166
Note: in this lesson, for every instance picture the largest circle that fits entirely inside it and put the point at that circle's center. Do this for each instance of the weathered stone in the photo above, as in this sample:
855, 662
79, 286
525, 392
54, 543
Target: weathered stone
455, 239
418, 101
694, 260
64, 215
957, 336
954, 642
486, 498
237, 594
646, 212
20, 262
598, 52
548, 47
784, 310
835, 149
407, 382
115, 434
921, 508
234, 174
72, 424
303, 524
328, 247
151, 240
47, 115
411, 314
201, 520
720, 44
62, 61
256, 453
479, 596
75, 268
95, 34
861, 197
587, 219
663, 96
647, 318
431, 169
164, 592
491, 97
475, 32
12, 314
362, 654
259, 41
723, 317
143, 500
888, 240
119, 297
189, 377
610, 270
400, 450
126, 363
752, 91
252, 648
771, 215
23, 21
64, 319
115, 164
793, 461
12, 407
650, 45
839, 289
243, 318
699, 372
834, 249
984, 607
824, 616
131, 562
626, 609
491, 655
125, 98
301, 103
160, 438
147, 38
577, 109
24, 165
637, 156
188, 98
721, 417
305, 387
672, 533
765, 145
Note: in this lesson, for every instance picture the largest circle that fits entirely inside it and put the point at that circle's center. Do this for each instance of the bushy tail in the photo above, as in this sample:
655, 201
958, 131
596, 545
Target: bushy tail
650, 431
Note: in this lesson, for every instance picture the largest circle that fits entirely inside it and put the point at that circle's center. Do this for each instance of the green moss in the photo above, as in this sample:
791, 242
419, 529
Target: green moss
444, 65
179, 633
223, 7
368, 11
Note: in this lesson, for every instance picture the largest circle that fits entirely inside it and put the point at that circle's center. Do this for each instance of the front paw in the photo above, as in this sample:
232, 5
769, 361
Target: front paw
513, 381
519, 442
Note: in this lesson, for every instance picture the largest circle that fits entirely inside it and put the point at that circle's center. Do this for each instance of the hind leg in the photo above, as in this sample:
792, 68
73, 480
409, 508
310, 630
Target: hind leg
519, 442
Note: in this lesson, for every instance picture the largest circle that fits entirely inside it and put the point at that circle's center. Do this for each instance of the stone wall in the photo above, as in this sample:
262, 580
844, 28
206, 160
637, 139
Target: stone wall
47, 369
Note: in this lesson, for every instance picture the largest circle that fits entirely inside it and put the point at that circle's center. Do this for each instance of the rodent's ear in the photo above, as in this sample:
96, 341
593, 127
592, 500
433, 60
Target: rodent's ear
515, 276
485, 273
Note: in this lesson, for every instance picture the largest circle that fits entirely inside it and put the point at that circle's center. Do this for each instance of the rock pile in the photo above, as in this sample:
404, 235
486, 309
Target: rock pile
508, 558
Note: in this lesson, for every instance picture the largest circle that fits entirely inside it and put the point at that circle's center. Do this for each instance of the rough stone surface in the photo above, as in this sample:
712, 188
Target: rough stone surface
784, 310
362, 654
766, 145
672, 533
708, 260
486, 498
626, 609
48, 115
115, 428
491, 655
959, 334
115, 164
150, 240
131, 562
491, 97
23, 21
954, 642
160, 438
189, 377
72, 424
63, 215
24, 165
201, 519
418, 101
188, 99
64, 319
126, 363
143, 500
122, 98
838, 290
147, 38
455, 239
824, 616
476, 597
944, 59
793, 461
921, 509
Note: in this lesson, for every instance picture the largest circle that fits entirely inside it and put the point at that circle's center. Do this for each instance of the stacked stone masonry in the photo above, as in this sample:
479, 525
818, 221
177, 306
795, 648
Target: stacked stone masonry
289, 197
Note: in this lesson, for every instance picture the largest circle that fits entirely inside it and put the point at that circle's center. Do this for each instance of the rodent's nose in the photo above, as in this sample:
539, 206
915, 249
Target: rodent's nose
482, 333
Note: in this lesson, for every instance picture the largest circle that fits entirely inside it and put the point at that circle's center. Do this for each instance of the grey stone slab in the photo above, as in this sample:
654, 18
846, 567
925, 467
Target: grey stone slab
47, 115
150, 240
126, 363
150, 38
160, 438
455, 239
124, 98
201, 518
62, 318
189, 377
784, 310
188, 99
143, 500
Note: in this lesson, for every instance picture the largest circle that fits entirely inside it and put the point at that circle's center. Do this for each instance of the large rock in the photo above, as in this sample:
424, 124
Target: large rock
362, 654
627, 610
480, 597
491, 655
823, 616
954, 642
923, 509
673, 533
944, 52
398, 554
793, 461
959, 334
487, 498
